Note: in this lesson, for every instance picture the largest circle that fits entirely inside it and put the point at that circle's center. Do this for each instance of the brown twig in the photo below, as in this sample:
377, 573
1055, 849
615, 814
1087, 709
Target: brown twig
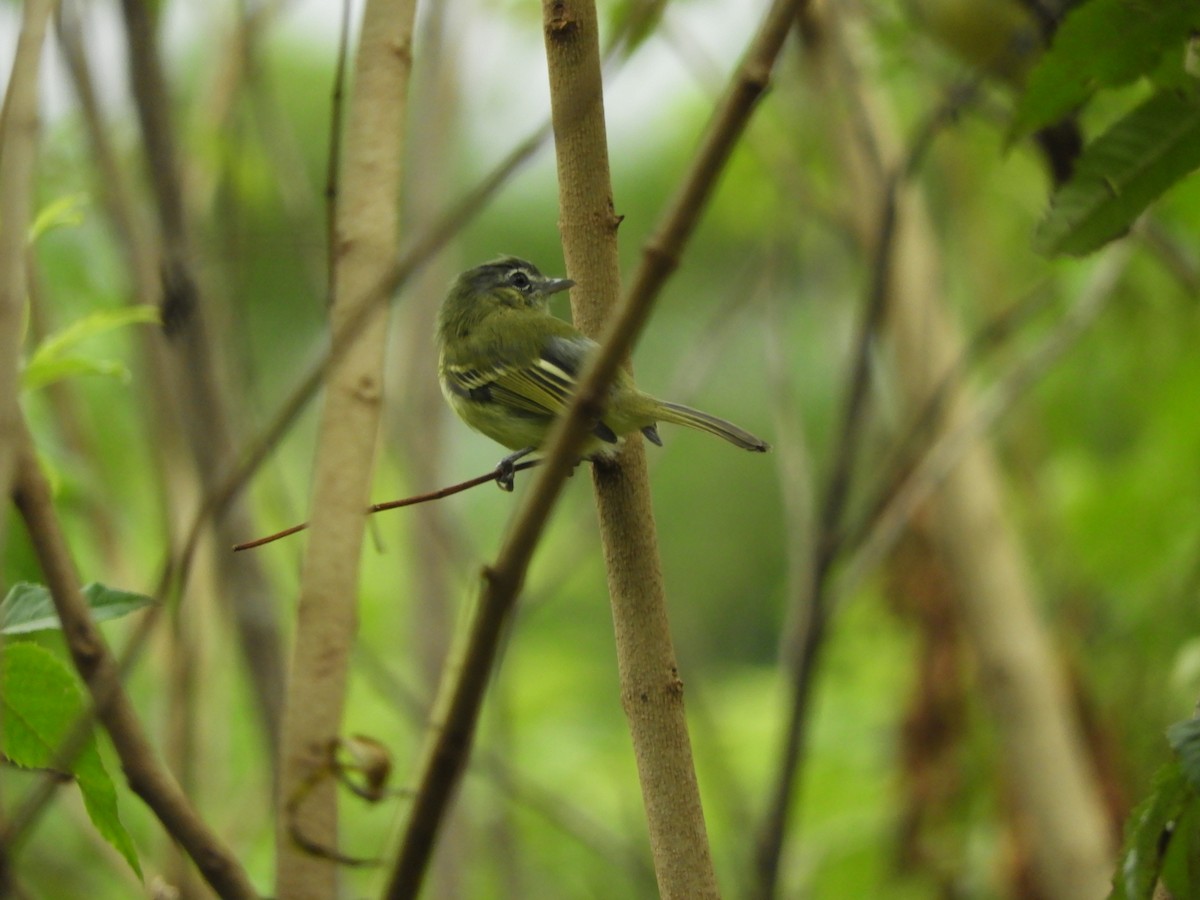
98, 670
18, 154
438, 494
333, 164
502, 581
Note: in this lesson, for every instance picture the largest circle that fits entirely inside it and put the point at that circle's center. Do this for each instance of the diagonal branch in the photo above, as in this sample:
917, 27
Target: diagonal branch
148, 778
502, 581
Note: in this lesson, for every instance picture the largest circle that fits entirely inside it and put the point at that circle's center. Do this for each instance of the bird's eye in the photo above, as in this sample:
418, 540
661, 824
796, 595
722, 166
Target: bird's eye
520, 280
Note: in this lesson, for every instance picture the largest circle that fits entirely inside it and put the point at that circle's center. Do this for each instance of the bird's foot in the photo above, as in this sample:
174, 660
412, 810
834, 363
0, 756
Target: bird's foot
506, 469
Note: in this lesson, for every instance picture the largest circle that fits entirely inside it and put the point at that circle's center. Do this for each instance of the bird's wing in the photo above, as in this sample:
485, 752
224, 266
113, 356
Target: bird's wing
537, 379
540, 384
545, 382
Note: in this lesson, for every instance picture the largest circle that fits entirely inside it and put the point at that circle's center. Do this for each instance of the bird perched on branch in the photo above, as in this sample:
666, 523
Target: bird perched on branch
508, 368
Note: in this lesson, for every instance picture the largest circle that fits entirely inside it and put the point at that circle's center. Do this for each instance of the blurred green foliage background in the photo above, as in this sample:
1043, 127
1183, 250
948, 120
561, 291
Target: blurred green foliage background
1100, 458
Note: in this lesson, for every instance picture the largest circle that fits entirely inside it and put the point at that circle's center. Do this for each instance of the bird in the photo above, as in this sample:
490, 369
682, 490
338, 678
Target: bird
508, 367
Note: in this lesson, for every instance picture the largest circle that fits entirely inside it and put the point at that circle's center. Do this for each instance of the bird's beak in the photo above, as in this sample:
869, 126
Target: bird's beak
554, 285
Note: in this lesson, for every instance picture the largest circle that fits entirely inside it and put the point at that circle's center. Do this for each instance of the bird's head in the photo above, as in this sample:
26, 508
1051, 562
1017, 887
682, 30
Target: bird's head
507, 283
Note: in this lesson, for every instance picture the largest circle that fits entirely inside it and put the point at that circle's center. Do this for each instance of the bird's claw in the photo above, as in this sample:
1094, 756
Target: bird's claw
507, 468
505, 473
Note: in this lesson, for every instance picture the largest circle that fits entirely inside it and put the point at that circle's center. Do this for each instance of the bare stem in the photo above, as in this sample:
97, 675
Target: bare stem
438, 494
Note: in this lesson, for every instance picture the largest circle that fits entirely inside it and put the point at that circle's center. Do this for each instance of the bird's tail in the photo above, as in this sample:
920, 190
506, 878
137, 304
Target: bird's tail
678, 414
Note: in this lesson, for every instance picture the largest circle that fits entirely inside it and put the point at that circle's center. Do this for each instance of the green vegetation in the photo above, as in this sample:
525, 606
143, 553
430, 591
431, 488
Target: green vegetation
1069, 307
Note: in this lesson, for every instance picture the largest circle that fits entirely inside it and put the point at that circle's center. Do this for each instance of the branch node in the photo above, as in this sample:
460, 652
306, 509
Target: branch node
560, 24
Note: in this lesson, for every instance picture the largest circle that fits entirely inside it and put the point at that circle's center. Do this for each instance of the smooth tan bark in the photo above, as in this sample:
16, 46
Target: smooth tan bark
366, 238
651, 690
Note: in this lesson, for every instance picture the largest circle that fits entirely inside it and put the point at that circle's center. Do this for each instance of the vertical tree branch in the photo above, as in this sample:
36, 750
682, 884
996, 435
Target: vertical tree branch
451, 742
651, 690
195, 384
367, 229
18, 152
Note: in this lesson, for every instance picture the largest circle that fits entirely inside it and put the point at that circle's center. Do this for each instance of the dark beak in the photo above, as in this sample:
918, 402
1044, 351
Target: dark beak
554, 285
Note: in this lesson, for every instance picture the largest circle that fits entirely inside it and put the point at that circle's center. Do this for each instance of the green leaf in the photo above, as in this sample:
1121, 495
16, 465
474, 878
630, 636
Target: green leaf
58, 356
29, 607
1181, 867
1148, 832
1103, 43
1184, 738
41, 702
64, 212
50, 371
1121, 173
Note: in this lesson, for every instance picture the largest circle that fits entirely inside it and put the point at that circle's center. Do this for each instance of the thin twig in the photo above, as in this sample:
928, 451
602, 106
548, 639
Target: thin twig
438, 494
333, 165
